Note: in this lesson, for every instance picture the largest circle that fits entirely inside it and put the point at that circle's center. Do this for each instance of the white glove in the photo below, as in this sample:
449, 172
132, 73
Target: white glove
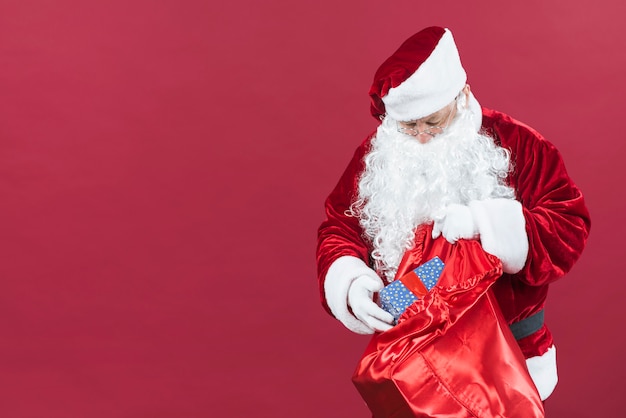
360, 299
456, 223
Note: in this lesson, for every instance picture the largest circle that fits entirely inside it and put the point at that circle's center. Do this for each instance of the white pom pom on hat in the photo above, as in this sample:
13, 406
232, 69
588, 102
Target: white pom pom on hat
421, 77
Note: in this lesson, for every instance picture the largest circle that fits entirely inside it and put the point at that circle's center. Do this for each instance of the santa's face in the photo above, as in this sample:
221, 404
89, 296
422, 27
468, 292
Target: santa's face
425, 129
408, 182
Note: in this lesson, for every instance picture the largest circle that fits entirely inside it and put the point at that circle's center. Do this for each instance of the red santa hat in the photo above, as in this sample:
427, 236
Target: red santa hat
421, 77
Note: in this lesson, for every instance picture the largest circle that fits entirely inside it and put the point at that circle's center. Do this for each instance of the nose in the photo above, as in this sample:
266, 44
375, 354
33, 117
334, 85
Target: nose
423, 137
424, 134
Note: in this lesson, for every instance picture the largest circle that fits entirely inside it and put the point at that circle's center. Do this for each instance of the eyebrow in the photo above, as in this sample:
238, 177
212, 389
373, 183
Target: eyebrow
435, 117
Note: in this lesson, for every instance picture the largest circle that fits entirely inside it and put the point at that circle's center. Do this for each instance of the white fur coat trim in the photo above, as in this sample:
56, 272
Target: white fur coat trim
542, 370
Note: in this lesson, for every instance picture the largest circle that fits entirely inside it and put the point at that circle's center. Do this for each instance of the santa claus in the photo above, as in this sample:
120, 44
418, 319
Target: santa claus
439, 159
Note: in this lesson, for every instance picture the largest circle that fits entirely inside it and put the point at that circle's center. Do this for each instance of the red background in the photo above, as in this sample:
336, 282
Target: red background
163, 166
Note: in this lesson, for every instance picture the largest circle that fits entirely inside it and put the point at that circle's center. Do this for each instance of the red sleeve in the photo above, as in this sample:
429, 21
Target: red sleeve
557, 219
340, 234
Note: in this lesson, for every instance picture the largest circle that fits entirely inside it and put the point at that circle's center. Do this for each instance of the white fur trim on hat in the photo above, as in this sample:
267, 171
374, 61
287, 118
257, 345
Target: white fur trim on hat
341, 274
543, 371
502, 230
437, 81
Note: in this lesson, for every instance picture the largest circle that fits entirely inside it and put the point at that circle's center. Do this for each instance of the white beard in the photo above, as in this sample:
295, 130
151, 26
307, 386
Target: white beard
406, 183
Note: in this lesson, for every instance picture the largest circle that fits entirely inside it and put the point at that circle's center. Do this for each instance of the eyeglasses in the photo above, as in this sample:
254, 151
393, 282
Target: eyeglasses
432, 130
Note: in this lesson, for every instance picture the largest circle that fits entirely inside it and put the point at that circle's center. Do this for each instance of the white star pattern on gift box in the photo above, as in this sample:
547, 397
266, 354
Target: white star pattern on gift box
395, 297
429, 272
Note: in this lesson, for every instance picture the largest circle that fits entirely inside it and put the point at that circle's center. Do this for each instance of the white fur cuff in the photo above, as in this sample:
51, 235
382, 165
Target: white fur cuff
502, 229
341, 274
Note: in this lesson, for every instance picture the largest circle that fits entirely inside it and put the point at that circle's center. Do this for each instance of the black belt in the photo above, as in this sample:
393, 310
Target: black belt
527, 326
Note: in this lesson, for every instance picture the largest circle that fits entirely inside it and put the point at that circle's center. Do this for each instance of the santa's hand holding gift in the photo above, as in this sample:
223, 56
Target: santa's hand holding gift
439, 159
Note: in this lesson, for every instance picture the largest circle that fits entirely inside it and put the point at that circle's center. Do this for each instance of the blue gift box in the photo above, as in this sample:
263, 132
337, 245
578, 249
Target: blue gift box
395, 298
402, 293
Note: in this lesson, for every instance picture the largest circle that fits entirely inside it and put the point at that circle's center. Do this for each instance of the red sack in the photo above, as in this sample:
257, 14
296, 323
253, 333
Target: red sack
452, 353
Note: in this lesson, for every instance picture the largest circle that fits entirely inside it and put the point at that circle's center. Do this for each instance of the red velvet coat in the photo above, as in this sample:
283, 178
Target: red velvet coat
557, 222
